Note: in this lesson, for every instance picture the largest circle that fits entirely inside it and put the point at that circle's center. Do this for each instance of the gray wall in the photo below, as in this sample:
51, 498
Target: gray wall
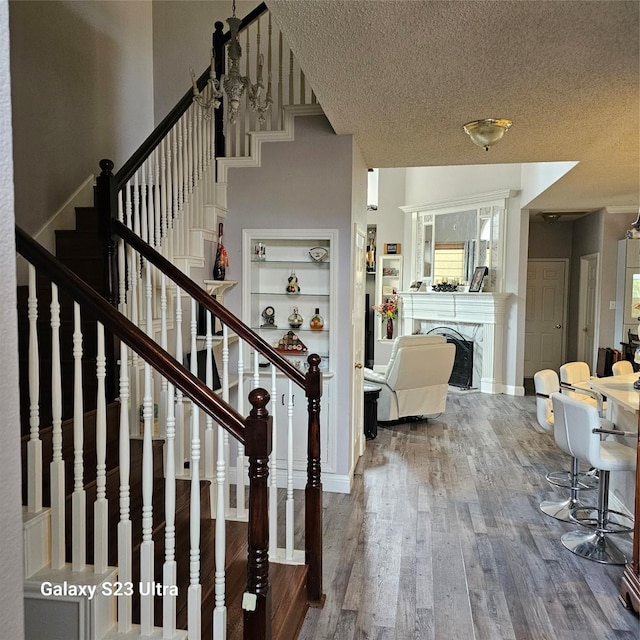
11, 610
82, 90
181, 39
301, 184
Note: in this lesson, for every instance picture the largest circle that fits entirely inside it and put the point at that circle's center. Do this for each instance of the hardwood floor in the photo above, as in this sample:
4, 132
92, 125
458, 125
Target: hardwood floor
442, 539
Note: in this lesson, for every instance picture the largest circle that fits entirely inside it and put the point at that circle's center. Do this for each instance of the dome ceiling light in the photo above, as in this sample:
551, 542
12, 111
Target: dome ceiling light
485, 133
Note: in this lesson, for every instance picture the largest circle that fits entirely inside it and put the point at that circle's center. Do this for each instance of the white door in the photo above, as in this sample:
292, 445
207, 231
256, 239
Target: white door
589, 268
545, 316
357, 334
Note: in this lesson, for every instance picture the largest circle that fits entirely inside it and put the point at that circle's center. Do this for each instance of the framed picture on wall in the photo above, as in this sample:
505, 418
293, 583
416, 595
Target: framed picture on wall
478, 276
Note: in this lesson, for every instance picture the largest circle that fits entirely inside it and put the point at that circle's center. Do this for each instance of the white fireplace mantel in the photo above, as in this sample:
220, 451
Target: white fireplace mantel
484, 309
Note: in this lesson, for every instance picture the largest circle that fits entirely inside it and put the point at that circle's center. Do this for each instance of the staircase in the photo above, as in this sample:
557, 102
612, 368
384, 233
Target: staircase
81, 251
104, 502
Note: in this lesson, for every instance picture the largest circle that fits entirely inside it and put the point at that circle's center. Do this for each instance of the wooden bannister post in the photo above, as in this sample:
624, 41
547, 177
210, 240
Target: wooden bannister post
257, 599
106, 204
218, 40
313, 490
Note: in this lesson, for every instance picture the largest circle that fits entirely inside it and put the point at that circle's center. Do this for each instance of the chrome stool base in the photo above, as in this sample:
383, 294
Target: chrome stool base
561, 509
593, 546
588, 516
586, 480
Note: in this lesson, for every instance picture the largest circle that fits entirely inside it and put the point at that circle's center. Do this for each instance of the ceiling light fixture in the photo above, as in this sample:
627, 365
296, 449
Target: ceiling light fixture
549, 217
485, 133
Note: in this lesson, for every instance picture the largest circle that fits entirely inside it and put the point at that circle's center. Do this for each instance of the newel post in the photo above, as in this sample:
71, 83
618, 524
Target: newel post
220, 65
107, 208
313, 490
257, 598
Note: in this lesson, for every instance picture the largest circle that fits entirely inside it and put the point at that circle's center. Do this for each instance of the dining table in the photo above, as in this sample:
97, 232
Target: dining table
622, 407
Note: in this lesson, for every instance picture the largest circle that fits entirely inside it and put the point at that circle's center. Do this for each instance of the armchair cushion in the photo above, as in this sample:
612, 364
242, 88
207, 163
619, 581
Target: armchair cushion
415, 380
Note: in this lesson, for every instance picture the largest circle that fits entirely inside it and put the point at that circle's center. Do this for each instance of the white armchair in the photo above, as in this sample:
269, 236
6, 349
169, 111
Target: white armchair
415, 381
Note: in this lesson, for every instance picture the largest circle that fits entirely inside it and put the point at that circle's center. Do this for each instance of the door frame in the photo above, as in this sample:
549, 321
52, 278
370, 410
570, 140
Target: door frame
582, 310
357, 374
565, 300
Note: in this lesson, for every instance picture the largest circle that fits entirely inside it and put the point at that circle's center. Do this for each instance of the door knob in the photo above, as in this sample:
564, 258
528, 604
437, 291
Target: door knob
358, 365
559, 326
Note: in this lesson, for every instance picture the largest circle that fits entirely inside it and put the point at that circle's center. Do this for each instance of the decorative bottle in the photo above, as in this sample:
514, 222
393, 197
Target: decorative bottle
295, 319
222, 259
317, 322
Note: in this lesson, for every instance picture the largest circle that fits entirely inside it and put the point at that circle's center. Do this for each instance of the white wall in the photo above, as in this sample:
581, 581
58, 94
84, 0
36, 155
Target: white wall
82, 90
11, 593
302, 184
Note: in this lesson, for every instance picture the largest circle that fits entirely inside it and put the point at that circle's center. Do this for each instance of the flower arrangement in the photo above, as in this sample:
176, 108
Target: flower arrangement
388, 309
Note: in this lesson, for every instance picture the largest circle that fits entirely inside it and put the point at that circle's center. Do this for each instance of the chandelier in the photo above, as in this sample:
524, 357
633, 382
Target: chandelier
233, 83
485, 133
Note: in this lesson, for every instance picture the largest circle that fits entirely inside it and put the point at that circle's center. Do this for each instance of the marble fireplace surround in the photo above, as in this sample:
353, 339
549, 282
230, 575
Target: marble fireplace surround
477, 316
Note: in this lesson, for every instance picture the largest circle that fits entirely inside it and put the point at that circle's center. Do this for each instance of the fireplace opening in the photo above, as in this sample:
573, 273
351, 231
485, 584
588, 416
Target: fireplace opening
462, 374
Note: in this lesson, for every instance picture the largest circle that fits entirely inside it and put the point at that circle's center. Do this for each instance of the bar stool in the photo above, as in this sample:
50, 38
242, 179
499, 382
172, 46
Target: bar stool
574, 373
547, 383
584, 428
621, 368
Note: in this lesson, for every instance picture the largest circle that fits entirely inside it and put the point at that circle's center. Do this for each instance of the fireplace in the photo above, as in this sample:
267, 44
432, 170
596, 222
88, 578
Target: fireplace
479, 317
462, 374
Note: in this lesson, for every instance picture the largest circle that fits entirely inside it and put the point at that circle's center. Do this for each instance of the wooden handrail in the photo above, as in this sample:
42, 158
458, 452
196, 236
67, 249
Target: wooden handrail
132, 336
200, 295
157, 135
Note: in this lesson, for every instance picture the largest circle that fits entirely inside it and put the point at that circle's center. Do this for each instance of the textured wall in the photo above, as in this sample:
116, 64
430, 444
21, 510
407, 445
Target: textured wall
11, 616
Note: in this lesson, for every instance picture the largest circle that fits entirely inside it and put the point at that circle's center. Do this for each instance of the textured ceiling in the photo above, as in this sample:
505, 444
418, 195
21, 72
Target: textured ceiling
404, 76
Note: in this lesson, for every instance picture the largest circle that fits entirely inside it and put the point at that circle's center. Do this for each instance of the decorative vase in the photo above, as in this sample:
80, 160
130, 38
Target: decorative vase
295, 319
389, 328
317, 322
221, 261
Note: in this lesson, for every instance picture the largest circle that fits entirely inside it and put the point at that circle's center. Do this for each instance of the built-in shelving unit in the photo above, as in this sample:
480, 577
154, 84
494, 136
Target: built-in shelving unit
282, 271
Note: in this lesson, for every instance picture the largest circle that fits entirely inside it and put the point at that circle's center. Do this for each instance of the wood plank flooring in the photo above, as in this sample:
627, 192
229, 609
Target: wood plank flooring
442, 539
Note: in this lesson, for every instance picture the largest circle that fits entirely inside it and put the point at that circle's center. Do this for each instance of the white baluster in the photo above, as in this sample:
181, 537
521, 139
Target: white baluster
241, 511
273, 471
179, 395
280, 83
169, 570
147, 546
157, 210
225, 397
78, 499
125, 562
208, 434
289, 503
162, 409
34, 446
101, 507
194, 594
179, 246
57, 463
222, 496
175, 188
164, 195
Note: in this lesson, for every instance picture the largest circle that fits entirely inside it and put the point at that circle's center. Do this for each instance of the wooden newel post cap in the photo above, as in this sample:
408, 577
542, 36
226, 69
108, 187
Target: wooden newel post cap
218, 25
314, 362
259, 398
258, 433
107, 166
